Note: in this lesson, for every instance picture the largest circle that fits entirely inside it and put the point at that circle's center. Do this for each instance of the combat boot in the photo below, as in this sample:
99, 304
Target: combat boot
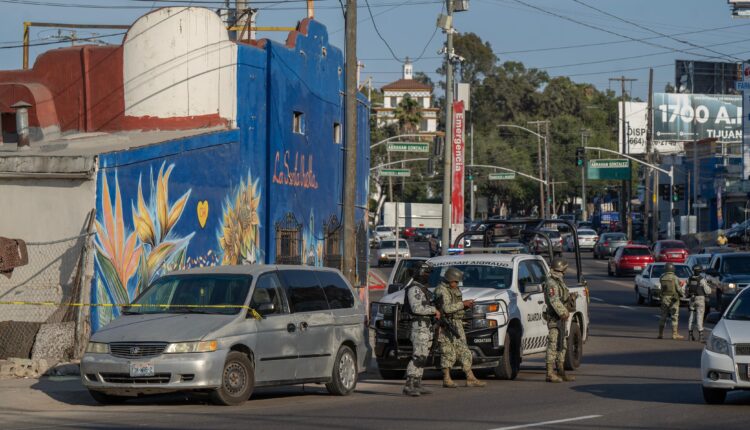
565, 377
409, 388
691, 335
551, 375
677, 336
447, 381
472, 381
421, 388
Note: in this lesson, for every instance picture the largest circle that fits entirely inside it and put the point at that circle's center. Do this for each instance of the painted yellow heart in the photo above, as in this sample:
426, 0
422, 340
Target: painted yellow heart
202, 212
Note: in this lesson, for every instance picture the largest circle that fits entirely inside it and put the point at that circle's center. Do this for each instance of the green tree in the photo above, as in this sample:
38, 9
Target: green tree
408, 114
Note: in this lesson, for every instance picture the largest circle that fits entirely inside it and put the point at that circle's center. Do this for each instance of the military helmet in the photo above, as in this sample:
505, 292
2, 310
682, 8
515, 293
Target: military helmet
697, 269
453, 274
559, 265
425, 269
669, 267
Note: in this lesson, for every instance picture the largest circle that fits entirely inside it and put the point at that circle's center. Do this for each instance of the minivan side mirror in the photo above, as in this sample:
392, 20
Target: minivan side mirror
713, 317
394, 287
265, 309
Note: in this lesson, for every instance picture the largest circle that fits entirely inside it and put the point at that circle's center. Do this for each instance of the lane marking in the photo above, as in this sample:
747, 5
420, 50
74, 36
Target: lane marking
544, 423
597, 299
626, 307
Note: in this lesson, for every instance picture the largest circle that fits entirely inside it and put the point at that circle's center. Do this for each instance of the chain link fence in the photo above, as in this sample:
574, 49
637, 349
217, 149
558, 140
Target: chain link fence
54, 274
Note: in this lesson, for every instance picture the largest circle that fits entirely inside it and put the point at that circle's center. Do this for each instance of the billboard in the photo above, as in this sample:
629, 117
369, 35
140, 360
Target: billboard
457, 194
683, 117
636, 125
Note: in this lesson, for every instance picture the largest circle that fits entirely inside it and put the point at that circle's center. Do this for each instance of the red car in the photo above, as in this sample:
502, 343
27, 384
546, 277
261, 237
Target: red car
674, 251
409, 232
630, 259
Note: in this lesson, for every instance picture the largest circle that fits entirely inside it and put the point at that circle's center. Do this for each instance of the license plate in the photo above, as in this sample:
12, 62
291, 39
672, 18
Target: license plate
675, 255
138, 369
637, 268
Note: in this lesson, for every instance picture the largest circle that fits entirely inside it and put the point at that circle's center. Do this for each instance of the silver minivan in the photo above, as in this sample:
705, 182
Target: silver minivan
226, 330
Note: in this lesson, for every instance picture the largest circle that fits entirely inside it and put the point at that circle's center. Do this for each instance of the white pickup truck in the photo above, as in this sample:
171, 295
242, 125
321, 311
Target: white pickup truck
504, 325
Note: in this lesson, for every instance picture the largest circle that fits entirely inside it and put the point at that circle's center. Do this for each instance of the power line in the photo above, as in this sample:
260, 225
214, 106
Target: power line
377, 31
63, 41
686, 42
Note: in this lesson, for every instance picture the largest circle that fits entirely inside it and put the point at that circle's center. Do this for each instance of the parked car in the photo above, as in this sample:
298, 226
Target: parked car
728, 274
648, 287
586, 240
229, 329
387, 251
608, 244
382, 232
629, 259
724, 361
674, 251
539, 245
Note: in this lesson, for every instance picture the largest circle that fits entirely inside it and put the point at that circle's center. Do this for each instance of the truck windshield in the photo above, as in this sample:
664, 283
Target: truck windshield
205, 294
739, 265
477, 276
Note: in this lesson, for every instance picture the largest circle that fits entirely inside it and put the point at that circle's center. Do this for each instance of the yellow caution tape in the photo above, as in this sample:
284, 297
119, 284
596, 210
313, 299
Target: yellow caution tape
252, 311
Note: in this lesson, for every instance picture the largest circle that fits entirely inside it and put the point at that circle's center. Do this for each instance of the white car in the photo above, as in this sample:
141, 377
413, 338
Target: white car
725, 363
586, 240
387, 250
382, 232
647, 286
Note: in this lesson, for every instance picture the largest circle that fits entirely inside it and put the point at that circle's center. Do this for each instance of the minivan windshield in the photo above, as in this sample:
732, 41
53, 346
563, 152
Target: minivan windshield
477, 276
740, 309
205, 294
736, 265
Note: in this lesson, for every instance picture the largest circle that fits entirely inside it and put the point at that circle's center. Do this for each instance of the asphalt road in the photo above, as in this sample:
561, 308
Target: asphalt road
628, 379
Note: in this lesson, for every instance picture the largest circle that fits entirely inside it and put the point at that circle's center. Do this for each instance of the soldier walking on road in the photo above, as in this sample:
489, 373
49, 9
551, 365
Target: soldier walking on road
418, 305
451, 347
697, 291
671, 291
560, 304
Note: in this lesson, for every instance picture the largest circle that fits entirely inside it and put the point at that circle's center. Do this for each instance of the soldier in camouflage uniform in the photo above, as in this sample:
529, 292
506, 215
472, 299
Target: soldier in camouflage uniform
697, 291
558, 300
671, 291
418, 300
451, 348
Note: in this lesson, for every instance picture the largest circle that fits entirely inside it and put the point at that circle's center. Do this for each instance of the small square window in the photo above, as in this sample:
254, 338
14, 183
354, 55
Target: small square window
336, 132
299, 123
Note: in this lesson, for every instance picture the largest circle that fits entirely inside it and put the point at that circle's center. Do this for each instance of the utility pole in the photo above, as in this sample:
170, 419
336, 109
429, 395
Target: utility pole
541, 164
471, 183
448, 150
625, 189
651, 211
350, 153
584, 143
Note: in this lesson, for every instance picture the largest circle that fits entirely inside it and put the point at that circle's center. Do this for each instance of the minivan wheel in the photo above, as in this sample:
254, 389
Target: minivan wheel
237, 380
107, 399
344, 377
714, 396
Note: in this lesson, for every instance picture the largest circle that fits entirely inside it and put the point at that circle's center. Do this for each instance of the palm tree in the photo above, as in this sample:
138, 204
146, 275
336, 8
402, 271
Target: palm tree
408, 114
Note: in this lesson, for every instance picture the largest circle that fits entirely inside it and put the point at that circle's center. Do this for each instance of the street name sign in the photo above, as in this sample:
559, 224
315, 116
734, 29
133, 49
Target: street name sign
609, 169
503, 176
409, 147
395, 172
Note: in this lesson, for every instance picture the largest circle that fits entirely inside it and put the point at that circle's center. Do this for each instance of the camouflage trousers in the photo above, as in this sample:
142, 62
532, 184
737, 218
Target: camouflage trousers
670, 308
421, 341
556, 347
452, 349
697, 309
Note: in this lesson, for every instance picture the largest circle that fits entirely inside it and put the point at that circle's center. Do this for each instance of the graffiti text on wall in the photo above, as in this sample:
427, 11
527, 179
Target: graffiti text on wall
294, 172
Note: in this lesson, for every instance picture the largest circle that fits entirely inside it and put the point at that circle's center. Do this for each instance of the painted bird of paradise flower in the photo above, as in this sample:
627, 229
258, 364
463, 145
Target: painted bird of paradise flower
154, 221
117, 253
239, 233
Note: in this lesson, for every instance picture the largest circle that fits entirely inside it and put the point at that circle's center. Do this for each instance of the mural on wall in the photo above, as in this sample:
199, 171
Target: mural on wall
239, 233
312, 247
128, 261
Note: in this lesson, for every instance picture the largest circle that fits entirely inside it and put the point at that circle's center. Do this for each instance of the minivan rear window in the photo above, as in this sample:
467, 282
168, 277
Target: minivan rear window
337, 291
303, 291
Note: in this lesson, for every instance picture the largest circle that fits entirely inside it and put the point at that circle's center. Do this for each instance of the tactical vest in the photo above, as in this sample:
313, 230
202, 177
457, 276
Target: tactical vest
564, 297
694, 287
407, 313
668, 287
456, 296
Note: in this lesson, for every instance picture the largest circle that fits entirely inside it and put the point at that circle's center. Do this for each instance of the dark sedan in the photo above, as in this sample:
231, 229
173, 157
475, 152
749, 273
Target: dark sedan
608, 244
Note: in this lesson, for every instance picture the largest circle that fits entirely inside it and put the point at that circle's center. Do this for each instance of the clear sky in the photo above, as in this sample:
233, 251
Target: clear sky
520, 30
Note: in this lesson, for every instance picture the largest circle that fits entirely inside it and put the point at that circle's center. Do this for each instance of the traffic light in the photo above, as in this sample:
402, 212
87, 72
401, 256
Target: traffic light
437, 147
430, 166
678, 192
580, 156
664, 191
470, 175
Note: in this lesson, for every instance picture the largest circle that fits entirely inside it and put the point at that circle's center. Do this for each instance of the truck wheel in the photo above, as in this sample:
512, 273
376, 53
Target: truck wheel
344, 376
392, 373
575, 348
510, 363
237, 381
714, 396
107, 399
